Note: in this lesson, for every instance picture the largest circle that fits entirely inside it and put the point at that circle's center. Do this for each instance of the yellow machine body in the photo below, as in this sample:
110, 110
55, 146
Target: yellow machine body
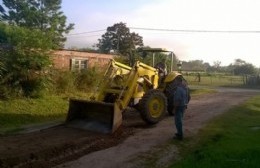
121, 86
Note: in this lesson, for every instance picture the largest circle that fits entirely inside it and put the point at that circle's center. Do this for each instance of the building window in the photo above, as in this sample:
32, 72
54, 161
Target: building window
79, 64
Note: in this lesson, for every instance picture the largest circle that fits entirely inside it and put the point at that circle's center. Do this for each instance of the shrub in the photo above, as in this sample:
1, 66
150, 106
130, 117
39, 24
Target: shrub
87, 79
25, 61
62, 82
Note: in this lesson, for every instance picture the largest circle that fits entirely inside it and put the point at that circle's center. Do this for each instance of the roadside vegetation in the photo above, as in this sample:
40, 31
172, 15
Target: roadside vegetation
53, 103
230, 140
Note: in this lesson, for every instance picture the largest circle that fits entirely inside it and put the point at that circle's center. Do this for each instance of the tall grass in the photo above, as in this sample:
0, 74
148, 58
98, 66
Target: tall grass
231, 140
67, 82
53, 105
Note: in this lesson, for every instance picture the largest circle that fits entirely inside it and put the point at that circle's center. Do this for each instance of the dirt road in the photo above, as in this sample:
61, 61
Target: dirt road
68, 147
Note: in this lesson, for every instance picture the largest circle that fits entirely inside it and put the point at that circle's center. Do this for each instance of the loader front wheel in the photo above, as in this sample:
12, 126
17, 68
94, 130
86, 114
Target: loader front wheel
153, 106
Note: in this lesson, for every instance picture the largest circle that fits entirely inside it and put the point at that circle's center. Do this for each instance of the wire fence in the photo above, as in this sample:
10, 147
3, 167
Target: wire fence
222, 80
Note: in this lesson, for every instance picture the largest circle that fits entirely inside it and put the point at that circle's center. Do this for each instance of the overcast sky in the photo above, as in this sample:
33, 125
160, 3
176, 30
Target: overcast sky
219, 15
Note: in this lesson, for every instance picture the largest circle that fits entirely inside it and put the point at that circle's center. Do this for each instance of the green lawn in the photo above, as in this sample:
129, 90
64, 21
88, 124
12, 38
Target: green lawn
197, 92
20, 112
216, 80
230, 140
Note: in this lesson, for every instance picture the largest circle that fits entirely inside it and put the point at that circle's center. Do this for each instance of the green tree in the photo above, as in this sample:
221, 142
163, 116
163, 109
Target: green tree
241, 67
2, 11
1, 65
245, 69
119, 38
44, 15
25, 60
3, 42
195, 65
239, 62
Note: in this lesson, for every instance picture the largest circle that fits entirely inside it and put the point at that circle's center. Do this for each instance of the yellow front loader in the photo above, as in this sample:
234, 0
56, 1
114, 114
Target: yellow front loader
122, 86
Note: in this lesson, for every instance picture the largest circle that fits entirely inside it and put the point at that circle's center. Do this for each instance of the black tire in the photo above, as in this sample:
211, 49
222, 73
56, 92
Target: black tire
153, 106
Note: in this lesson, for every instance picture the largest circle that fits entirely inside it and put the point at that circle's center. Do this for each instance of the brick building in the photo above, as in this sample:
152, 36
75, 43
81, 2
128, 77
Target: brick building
77, 60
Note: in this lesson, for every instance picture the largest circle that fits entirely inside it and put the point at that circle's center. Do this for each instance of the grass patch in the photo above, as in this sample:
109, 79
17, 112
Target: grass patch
197, 92
233, 81
230, 140
19, 112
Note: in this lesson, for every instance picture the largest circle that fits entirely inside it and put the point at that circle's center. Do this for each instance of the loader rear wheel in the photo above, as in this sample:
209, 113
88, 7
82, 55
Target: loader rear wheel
153, 106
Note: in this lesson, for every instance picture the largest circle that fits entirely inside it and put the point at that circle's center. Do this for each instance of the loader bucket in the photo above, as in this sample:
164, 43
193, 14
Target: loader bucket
94, 116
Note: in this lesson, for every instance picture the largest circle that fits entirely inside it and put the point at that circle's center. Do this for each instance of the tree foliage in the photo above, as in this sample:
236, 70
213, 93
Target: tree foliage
238, 62
241, 67
2, 11
217, 64
1, 65
25, 59
119, 38
44, 15
195, 65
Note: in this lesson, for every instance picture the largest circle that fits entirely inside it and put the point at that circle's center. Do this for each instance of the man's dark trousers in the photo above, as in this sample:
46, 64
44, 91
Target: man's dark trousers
178, 116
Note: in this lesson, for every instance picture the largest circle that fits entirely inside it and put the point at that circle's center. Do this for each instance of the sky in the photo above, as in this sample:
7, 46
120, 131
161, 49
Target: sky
216, 15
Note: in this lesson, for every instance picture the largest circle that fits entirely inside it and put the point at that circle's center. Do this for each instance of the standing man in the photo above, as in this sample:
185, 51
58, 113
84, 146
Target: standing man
181, 99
